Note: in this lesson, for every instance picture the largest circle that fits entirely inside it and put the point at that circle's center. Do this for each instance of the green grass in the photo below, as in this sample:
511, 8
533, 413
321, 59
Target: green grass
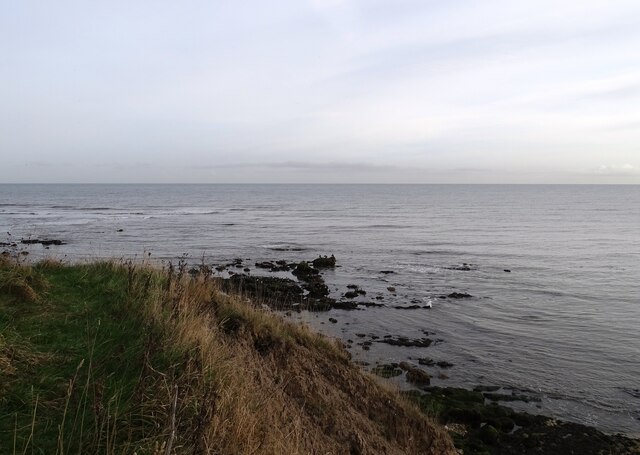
112, 358
74, 358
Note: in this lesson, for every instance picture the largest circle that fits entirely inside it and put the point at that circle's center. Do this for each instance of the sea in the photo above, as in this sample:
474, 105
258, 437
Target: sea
553, 271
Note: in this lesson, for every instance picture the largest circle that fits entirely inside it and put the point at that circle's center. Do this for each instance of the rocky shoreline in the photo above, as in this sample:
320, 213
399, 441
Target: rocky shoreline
474, 418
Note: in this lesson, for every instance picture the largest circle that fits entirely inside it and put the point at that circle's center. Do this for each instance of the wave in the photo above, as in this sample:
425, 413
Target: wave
387, 226
284, 247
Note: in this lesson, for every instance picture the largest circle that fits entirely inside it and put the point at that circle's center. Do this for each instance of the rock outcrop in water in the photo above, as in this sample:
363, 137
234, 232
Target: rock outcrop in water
324, 262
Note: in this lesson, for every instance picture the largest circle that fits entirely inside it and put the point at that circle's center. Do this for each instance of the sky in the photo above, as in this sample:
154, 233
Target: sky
320, 91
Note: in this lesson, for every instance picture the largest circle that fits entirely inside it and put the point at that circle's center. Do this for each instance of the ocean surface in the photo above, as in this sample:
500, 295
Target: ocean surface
562, 326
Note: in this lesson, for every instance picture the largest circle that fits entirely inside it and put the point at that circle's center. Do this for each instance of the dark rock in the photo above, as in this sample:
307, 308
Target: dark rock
507, 270
633, 392
486, 388
333, 320
489, 435
402, 341
386, 272
325, 262
220, 268
391, 289
304, 271
120, 230
459, 295
418, 377
536, 434
42, 242
247, 269
361, 335
313, 282
345, 305
427, 362
351, 294
352, 286
444, 364
370, 304
410, 307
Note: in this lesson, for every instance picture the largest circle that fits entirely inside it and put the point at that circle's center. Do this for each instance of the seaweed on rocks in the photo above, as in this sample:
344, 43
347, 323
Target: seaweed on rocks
480, 428
387, 370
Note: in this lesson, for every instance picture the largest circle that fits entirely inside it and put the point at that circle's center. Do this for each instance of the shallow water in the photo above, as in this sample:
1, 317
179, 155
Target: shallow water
563, 324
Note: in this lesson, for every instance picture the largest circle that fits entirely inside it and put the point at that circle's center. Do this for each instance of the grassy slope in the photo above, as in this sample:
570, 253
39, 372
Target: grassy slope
106, 358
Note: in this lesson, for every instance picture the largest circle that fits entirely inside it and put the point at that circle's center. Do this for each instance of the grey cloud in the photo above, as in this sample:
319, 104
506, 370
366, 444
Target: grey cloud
622, 126
472, 49
615, 170
308, 166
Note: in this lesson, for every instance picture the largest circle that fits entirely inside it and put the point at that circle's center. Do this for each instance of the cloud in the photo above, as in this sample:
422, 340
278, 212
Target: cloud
617, 170
308, 166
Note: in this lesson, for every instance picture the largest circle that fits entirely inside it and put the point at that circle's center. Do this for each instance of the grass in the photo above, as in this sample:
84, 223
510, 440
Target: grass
119, 358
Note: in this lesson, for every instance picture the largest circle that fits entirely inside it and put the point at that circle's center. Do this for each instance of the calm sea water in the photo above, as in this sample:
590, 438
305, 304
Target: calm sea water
564, 325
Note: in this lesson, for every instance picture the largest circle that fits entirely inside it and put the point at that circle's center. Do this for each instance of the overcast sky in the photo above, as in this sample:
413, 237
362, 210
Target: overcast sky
423, 91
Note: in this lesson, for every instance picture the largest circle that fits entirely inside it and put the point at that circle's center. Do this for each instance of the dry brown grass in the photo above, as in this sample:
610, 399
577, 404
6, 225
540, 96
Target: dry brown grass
261, 385
234, 378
